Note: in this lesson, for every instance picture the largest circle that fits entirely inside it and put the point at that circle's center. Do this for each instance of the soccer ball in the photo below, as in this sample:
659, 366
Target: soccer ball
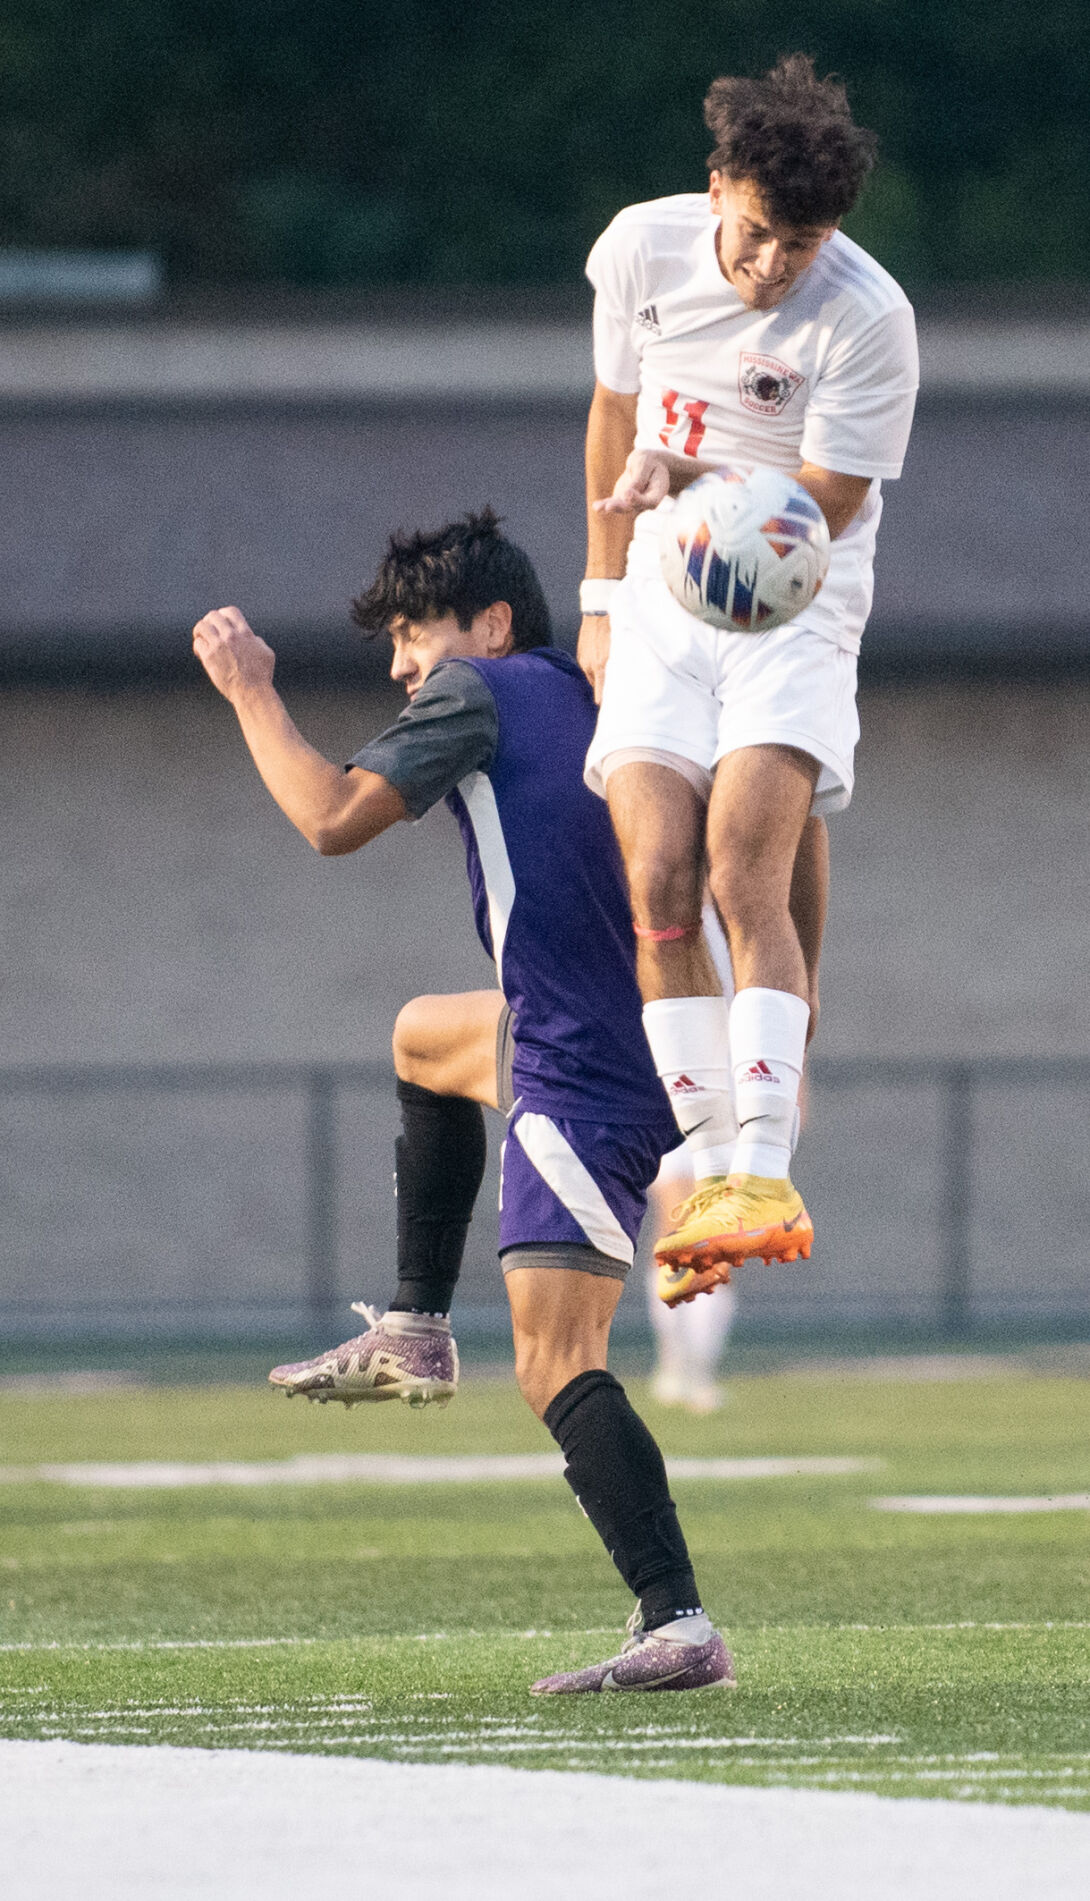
744, 549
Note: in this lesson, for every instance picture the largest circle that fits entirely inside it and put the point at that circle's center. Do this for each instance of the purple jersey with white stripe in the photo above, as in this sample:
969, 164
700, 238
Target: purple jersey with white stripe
551, 905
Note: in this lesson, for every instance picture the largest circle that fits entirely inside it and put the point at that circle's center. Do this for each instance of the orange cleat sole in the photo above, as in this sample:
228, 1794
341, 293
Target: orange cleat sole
732, 1250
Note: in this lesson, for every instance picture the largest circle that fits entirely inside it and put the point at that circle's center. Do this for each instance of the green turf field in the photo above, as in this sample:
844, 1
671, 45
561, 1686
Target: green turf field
909, 1655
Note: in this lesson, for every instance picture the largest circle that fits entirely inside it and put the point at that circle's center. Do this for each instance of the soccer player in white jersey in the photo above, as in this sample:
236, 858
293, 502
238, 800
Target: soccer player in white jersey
737, 327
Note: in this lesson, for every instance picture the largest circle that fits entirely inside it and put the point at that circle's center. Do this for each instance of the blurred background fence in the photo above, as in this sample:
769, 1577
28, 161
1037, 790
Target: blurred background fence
245, 1200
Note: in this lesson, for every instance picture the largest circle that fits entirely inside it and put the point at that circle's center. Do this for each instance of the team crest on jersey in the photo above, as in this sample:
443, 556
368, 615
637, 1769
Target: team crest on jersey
766, 385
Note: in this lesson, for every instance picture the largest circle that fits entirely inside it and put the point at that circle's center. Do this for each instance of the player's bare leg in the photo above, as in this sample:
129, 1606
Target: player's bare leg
809, 903
560, 1321
448, 1044
660, 821
757, 819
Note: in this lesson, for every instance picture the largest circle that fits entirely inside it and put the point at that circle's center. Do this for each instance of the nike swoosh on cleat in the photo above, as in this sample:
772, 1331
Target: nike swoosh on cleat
610, 1683
794, 1221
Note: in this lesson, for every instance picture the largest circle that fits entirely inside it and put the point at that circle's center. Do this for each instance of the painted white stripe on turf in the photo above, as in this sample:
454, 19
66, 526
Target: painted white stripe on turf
378, 1468
499, 879
957, 1503
492, 1636
134, 1822
573, 1184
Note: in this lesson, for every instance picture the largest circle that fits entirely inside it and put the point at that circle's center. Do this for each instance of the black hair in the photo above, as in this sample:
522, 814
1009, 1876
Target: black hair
792, 136
459, 569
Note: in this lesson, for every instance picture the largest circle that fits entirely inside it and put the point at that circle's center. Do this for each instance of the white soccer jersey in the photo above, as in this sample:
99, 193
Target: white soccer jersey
828, 376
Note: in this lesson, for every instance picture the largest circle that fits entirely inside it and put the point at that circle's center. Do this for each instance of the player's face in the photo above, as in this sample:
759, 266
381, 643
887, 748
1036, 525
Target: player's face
420, 645
759, 256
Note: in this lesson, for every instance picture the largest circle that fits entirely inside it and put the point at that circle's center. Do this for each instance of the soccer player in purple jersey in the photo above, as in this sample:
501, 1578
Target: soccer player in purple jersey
498, 724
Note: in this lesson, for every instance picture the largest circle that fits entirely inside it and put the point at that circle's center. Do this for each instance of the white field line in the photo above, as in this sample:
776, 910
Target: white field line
955, 1503
338, 1468
496, 1636
177, 1823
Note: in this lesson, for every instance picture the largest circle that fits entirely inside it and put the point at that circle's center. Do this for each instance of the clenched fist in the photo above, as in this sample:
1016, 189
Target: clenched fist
233, 656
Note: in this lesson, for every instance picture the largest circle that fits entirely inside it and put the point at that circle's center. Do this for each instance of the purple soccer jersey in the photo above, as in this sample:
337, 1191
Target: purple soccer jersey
550, 902
591, 1120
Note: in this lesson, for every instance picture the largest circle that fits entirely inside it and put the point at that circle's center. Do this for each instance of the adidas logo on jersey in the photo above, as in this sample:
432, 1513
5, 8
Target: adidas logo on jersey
648, 318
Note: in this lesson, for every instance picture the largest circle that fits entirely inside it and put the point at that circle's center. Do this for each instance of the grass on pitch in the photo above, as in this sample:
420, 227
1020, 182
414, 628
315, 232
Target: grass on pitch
907, 1655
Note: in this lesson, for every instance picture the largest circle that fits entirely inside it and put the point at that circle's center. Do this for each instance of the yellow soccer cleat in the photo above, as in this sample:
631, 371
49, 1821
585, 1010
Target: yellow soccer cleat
731, 1219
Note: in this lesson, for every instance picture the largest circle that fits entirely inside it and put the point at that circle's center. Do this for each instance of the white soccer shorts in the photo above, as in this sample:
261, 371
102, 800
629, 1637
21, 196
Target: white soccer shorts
676, 685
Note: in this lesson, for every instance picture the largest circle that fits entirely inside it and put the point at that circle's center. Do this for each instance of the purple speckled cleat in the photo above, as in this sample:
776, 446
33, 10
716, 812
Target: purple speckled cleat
401, 1356
686, 1655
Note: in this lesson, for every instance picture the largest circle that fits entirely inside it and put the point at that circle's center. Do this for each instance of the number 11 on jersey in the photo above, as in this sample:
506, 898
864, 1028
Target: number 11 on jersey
674, 423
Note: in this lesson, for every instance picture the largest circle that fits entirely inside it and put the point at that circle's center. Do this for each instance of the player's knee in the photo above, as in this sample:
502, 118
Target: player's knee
664, 890
410, 1044
744, 896
534, 1371
546, 1360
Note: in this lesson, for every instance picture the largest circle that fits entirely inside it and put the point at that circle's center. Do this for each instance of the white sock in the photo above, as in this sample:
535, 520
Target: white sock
397, 1321
695, 1627
767, 1046
690, 1042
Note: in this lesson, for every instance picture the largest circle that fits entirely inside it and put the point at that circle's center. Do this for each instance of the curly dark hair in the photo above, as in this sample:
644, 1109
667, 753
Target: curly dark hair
458, 569
791, 135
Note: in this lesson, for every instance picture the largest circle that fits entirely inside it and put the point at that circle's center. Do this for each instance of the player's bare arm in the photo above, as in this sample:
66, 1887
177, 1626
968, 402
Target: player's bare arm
611, 431
336, 811
839, 496
650, 475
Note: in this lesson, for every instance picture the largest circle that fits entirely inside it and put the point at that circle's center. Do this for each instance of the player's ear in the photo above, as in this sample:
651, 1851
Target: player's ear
499, 627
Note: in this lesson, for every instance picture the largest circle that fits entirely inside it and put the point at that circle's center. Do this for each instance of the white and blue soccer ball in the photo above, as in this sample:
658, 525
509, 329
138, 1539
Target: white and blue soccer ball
744, 549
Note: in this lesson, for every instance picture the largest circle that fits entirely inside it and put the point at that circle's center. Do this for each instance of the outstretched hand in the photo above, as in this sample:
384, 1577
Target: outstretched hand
232, 655
644, 483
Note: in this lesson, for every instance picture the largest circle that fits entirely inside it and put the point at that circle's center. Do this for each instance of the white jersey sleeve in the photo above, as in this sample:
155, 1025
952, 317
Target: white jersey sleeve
859, 414
612, 268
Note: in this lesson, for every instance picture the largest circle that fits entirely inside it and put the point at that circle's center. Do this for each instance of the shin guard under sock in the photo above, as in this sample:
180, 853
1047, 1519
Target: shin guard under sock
440, 1165
690, 1045
616, 1471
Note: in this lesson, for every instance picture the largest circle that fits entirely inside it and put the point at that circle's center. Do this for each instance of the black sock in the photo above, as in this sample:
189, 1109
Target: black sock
440, 1164
617, 1473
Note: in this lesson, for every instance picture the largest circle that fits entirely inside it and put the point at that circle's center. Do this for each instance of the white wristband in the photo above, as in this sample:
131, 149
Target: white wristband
595, 596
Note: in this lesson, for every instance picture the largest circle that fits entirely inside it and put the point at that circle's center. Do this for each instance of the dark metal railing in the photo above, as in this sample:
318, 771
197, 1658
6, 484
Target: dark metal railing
958, 1082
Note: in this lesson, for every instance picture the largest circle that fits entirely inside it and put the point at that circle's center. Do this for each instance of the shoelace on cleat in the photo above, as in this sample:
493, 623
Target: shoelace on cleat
636, 1632
747, 1201
700, 1199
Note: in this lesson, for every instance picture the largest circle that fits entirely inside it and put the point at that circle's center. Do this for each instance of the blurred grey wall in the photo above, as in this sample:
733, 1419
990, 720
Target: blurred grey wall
152, 470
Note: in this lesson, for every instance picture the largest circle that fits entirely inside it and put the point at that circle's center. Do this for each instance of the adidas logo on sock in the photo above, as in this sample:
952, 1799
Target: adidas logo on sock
684, 1086
759, 1072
